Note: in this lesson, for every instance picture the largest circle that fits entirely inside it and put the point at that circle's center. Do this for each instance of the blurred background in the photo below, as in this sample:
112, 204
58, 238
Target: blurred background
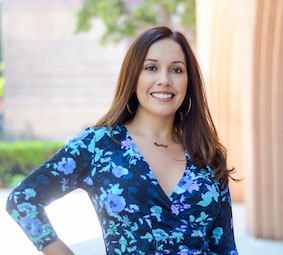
59, 63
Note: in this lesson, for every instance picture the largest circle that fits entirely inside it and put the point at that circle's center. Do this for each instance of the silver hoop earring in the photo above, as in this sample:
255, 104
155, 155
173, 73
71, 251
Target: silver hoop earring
190, 106
129, 110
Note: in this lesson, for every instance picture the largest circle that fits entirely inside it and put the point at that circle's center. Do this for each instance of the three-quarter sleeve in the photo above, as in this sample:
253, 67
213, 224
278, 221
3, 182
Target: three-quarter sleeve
58, 176
222, 233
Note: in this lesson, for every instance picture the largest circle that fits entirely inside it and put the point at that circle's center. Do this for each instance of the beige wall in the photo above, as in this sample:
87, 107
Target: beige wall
56, 82
227, 65
244, 42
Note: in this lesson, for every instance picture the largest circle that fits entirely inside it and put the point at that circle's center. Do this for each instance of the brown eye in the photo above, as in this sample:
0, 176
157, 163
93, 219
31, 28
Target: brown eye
177, 70
151, 68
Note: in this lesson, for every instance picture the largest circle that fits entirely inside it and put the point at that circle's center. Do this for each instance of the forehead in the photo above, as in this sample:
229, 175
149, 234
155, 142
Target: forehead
166, 49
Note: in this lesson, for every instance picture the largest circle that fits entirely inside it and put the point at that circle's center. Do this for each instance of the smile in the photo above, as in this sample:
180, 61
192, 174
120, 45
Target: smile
162, 95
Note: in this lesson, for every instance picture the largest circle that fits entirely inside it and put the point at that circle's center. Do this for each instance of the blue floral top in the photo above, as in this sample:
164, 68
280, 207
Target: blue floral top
135, 214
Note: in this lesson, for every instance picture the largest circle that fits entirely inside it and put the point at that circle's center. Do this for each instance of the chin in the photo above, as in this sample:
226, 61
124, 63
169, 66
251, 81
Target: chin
165, 115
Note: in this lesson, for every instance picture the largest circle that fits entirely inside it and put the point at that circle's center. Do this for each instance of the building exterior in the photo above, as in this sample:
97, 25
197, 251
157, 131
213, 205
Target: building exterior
57, 82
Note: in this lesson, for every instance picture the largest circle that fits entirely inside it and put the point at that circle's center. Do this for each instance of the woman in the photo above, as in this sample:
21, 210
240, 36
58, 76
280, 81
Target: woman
152, 165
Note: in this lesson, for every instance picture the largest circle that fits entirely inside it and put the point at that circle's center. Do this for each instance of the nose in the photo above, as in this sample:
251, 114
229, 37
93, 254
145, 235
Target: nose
164, 78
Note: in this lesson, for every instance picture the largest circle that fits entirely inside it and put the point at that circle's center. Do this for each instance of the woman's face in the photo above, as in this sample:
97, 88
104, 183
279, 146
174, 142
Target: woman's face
162, 84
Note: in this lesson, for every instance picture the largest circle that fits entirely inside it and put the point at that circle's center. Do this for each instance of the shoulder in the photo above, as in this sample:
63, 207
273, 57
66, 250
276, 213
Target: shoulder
224, 192
94, 135
202, 172
89, 133
205, 177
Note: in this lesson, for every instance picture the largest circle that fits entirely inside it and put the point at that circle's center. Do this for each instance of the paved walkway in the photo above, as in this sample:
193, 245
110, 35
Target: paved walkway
76, 223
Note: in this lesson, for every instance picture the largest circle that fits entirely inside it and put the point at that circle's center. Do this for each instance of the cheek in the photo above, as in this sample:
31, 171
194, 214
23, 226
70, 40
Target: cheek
184, 87
143, 85
140, 89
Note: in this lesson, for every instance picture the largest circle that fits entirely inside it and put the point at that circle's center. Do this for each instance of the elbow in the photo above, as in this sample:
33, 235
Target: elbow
13, 200
10, 203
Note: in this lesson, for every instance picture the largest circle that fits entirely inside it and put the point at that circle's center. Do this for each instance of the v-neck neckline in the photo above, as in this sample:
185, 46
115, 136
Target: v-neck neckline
170, 196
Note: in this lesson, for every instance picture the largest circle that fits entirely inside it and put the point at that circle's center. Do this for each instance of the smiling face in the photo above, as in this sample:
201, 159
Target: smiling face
162, 84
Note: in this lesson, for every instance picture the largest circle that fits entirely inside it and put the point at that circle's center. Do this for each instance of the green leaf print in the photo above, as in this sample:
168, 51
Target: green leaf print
197, 233
54, 173
99, 134
208, 196
178, 236
16, 216
91, 146
135, 227
118, 251
160, 247
147, 236
131, 249
29, 193
192, 218
112, 230
114, 189
123, 243
93, 171
133, 208
98, 154
129, 234
105, 169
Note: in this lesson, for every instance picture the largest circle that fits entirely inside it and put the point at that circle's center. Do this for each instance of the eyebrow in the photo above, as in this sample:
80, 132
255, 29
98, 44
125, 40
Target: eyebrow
174, 62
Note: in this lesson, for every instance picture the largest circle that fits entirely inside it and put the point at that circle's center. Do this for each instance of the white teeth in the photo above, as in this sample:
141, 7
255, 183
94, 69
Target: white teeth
162, 95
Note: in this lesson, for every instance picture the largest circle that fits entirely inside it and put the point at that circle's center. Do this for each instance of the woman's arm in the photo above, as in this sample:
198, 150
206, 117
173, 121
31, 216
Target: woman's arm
57, 248
63, 173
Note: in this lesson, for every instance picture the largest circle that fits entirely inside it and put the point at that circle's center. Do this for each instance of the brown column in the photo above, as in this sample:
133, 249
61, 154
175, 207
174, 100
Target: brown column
277, 121
268, 120
245, 90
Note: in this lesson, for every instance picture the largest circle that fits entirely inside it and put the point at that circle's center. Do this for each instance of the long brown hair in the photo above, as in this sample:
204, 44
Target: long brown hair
196, 129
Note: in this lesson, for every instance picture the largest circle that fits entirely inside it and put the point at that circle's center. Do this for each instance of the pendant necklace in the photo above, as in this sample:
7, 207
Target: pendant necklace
162, 145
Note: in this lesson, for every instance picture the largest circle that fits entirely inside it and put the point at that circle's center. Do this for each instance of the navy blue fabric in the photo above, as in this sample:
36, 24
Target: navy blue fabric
135, 214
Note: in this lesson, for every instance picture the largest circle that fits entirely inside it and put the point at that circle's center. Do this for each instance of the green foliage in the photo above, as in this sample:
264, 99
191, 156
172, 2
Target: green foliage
15, 179
125, 21
188, 18
2, 81
17, 159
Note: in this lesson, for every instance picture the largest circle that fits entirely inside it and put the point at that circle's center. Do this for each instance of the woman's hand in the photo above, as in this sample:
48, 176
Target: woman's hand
57, 248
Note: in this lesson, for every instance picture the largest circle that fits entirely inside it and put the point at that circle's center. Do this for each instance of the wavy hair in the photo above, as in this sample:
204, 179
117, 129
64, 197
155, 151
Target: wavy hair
195, 129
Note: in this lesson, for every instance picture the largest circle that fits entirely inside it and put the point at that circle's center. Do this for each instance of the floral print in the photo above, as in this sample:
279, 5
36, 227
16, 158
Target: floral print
114, 203
67, 166
135, 214
32, 226
119, 171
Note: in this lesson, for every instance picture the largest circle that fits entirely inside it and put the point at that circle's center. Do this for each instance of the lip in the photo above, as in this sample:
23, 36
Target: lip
163, 92
163, 99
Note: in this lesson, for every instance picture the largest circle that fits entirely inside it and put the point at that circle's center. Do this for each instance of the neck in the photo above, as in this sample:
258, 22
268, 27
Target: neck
159, 129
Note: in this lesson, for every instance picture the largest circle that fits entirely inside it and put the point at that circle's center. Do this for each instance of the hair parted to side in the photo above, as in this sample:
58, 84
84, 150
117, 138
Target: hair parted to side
196, 130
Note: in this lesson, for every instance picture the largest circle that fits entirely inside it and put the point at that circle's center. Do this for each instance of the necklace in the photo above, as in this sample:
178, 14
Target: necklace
162, 145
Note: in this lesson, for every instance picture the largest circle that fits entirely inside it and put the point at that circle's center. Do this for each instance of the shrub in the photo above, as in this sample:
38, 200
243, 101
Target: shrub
18, 159
2, 82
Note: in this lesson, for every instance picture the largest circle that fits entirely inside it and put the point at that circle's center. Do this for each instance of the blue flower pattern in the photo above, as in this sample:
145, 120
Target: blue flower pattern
135, 214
